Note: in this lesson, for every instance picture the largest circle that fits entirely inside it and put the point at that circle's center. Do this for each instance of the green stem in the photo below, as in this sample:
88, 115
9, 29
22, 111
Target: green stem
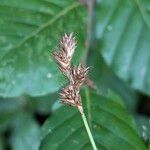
88, 106
89, 131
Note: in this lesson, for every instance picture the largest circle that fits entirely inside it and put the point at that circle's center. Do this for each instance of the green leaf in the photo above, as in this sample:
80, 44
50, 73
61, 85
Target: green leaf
26, 134
123, 31
143, 124
9, 108
105, 79
112, 127
2, 145
29, 31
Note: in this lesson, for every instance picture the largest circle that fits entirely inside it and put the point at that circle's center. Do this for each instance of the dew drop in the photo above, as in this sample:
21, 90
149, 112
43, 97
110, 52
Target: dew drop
143, 134
144, 127
49, 75
49, 131
109, 28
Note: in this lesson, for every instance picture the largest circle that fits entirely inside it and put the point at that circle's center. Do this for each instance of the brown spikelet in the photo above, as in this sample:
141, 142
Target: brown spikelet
70, 96
76, 75
64, 55
68, 45
79, 74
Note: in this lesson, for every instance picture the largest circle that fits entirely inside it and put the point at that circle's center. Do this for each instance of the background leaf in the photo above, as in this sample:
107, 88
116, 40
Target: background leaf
105, 79
29, 31
111, 124
2, 145
9, 109
26, 134
124, 34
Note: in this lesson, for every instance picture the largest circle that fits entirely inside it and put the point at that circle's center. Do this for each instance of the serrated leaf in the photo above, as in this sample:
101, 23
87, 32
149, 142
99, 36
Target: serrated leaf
124, 34
29, 31
112, 127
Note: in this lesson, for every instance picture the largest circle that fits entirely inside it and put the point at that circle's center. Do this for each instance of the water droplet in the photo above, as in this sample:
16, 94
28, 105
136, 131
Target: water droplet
49, 130
144, 127
49, 75
143, 134
109, 28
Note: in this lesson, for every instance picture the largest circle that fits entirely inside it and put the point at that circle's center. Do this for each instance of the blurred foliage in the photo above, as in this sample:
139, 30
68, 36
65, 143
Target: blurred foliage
27, 42
123, 34
119, 60
26, 133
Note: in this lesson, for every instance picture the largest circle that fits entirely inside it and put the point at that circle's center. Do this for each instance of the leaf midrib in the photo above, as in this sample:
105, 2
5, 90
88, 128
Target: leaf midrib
43, 26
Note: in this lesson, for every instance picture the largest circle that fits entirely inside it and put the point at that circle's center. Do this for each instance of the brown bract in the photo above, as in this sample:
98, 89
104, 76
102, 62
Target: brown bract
76, 75
79, 75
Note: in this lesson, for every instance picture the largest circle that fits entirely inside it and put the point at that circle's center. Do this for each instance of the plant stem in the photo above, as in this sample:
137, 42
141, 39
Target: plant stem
89, 131
88, 106
90, 7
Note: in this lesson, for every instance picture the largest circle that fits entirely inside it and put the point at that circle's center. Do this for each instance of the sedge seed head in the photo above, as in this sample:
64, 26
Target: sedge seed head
76, 75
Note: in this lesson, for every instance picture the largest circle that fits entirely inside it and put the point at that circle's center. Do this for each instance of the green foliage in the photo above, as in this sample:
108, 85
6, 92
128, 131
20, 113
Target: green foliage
124, 34
26, 131
26, 134
65, 127
105, 79
8, 110
29, 33
119, 61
